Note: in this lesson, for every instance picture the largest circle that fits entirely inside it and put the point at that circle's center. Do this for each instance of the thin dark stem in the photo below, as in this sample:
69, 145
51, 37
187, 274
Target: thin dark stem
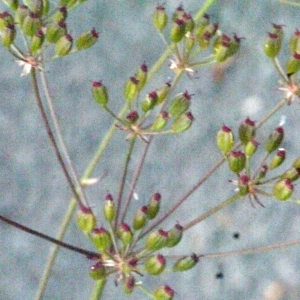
89, 254
123, 180
51, 136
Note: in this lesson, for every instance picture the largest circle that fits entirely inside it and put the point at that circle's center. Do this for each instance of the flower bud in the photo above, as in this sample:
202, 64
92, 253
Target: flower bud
37, 41
155, 264
185, 263
31, 24
163, 293
20, 14
64, 45
55, 31
225, 139
294, 43
12, 4
60, 15
180, 104
100, 93
86, 220
183, 122
131, 89
149, 102
5, 19
140, 218
262, 173
292, 174
278, 159
142, 75
153, 206
97, 271
293, 64
247, 131
163, 92
177, 31
8, 35
109, 208
160, 18
125, 234
251, 147
174, 235
87, 40
128, 284
221, 48
156, 240
275, 139
243, 184
160, 121
272, 45
101, 238
132, 116
236, 161
283, 189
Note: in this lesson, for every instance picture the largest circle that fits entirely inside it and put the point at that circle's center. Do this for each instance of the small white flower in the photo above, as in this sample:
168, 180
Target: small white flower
27, 63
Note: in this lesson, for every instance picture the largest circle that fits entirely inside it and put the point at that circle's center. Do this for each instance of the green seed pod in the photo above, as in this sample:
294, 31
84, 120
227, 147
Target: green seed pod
132, 117
55, 31
296, 163
64, 45
156, 240
292, 174
189, 22
12, 4
272, 45
251, 147
131, 89
275, 139
163, 293
20, 14
204, 21
101, 238
8, 35
160, 18
183, 122
277, 29
97, 271
160, 121
37, 41
236, 161
154, 206
109, 208
124, 233
6, 19
283, 189
185, 263
293, 64
221, 48
174, 235
180, 104
225, 139
262, 174
149, 102
35, 6
155, 265
247, 131
86, 220
163, 92
31, 24
140, 218
177, 30
128, 284
100, 93
46, 7
60, 15
234, 45
294, 43
178, 13
208, 33
87, 40
278, 159
243, 185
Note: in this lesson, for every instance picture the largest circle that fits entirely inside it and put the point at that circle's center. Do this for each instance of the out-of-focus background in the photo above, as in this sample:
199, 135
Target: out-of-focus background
34, 191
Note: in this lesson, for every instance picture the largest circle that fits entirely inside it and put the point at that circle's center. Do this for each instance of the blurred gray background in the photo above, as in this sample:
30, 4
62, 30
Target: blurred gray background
34, 191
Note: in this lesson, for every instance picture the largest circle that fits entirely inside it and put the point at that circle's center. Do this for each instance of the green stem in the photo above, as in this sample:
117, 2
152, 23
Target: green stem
203, 9
98, 289
212, 211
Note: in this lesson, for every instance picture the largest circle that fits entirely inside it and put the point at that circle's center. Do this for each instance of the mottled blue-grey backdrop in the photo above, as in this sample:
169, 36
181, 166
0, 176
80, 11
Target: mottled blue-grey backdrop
34, 191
